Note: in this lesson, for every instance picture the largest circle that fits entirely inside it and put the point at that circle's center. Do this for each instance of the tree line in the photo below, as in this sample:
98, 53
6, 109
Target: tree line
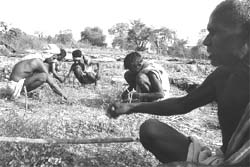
127, 36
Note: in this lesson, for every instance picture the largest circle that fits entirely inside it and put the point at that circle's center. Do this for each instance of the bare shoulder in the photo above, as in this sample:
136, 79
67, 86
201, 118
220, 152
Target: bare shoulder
220, 73
35, 61
152, 76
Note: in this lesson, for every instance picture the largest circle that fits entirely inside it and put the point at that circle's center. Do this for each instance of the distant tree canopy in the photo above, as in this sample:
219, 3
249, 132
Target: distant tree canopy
138, 36
17, 39
178, 48
128, 36
134, 36
200, 51
64, 37
94, 36
120, 31
162, 39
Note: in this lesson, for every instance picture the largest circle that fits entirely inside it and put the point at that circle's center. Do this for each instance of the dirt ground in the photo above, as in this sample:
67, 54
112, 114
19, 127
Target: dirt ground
83, 116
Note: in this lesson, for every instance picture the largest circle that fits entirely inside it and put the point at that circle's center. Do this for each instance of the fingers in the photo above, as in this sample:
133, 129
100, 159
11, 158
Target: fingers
111, 112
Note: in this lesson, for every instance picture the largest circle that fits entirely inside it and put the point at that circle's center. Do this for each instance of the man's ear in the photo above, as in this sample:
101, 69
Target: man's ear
247, 47
245, 50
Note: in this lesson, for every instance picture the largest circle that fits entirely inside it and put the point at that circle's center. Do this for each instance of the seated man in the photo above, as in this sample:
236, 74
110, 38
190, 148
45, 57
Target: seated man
30, 73
228, 45
83, 69
150, 81
52, 63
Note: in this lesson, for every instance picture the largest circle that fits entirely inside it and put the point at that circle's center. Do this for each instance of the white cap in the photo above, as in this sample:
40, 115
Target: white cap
52, 49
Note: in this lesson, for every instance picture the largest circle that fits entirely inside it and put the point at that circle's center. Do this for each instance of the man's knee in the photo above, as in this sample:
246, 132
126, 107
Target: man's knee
43, 77
149, 129
130, 78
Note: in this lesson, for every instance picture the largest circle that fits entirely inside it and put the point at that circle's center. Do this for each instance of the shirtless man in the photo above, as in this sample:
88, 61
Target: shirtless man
228, 44
149, 80
83, 69
31, 73
52, 63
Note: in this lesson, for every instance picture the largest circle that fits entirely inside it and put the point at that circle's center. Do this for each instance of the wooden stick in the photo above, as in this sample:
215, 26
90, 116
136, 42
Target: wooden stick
26, 98
68, 141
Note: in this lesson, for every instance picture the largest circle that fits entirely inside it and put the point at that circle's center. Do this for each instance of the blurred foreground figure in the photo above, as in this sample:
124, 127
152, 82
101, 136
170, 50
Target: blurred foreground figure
228, 44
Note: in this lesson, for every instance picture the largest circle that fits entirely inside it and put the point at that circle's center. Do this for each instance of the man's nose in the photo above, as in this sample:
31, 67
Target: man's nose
207, 41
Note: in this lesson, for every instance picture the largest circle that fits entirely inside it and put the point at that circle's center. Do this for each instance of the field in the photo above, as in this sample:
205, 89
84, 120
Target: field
83, 116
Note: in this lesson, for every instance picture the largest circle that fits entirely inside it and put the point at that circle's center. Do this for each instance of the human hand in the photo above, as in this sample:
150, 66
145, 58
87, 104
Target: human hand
64, 98
62, 79
130, 96
135, 95
117, 109
124, 95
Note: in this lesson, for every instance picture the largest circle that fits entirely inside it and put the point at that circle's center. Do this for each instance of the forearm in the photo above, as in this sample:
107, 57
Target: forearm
163, 108
57, 77
151, 96
67, 76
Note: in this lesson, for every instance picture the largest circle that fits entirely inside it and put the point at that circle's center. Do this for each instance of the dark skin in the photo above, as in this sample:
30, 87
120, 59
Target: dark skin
35, 73
52, 68
81, 66
151, 89
228, 46
71, 69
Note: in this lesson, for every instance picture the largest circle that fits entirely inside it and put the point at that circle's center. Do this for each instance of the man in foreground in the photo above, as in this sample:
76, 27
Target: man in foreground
30, 73
149, 80
228, 44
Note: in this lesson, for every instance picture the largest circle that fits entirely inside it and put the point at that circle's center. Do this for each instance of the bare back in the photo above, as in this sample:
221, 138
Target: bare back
27, 68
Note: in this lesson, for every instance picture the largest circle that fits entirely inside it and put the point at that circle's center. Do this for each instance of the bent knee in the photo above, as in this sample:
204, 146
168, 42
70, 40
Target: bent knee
150, 128
129, 76
43, 77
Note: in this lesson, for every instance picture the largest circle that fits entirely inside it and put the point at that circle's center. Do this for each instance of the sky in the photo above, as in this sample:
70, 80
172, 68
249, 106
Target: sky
186, 17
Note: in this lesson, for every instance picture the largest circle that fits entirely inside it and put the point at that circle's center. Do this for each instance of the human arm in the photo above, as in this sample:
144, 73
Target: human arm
204, 94
67, 76
39, 67
55, 87
156, 89
54, 71
126, 92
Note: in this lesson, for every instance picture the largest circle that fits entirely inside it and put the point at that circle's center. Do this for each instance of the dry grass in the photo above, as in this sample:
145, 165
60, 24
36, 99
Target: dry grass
84, 117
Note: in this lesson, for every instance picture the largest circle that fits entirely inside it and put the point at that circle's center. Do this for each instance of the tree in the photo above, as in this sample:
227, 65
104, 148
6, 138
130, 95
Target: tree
49, 39
178, 48
120, 31
64, 37
200, 51
162, 38
7, 35
94, 36
139, 35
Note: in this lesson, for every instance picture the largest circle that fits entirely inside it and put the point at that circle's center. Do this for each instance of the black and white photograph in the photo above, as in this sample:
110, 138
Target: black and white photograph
135, 83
